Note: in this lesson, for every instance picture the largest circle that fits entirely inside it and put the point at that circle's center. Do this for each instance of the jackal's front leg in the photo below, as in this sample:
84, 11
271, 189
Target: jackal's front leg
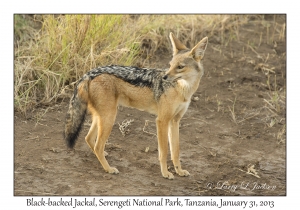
162, 136
174, 147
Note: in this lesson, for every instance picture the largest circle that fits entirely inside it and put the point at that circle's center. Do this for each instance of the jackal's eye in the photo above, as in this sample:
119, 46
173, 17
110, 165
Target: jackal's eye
180, 66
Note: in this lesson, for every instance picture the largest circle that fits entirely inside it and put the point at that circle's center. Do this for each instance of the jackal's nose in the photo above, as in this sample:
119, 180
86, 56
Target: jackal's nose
165, 77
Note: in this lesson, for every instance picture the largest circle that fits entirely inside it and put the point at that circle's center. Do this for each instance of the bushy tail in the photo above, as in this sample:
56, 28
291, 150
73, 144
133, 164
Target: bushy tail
76, 113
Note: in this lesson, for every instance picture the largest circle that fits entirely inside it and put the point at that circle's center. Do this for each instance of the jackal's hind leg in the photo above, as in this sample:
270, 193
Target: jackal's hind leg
105, 123
92, 134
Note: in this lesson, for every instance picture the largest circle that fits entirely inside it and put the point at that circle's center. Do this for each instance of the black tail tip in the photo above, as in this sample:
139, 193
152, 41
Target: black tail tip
70, 140
70, 145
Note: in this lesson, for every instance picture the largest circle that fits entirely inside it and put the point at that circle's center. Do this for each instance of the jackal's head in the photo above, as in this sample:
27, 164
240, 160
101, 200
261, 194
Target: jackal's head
186, 63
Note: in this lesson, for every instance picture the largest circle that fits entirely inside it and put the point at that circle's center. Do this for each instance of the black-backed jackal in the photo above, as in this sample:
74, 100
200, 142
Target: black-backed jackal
164, 93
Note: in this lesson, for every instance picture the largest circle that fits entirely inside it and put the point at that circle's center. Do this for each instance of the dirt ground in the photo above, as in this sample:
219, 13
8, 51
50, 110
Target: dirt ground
232, 137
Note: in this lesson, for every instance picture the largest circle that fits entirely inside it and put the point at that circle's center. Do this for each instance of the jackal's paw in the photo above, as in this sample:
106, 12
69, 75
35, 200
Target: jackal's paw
105, 154
183, 173
168, 175
113, 170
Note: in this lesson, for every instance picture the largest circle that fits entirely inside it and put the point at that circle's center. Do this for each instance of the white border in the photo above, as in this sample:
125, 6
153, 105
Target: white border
8, 201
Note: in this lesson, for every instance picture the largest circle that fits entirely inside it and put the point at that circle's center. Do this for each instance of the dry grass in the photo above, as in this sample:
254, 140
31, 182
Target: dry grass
123, 127
54, 56
232, 112
53, 51
250, 170
149, 132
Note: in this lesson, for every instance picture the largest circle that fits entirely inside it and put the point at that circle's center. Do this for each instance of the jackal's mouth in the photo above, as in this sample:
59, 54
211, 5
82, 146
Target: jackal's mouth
178, 78
171, 79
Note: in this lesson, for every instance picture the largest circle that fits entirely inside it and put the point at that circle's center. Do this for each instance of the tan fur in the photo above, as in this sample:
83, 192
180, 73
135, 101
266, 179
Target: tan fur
106, 92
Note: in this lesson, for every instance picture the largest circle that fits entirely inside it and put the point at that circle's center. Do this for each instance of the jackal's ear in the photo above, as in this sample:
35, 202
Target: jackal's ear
198, 51
176, 44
